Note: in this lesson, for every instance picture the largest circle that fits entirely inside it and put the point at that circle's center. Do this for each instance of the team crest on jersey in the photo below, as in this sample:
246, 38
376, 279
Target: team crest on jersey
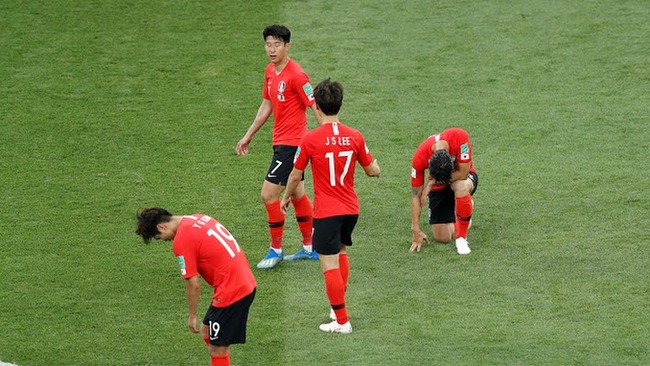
181, 263
282, 86
309, 92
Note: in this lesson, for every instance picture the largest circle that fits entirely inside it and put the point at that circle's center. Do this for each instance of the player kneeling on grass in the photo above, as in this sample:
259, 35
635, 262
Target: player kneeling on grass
203, 246
333, 150
452, 182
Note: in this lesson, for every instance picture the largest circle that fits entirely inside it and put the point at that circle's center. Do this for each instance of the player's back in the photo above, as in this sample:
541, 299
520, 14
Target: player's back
211, 251
334, 149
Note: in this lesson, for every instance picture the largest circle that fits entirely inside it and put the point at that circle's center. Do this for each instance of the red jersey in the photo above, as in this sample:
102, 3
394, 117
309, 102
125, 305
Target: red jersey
203, 246
460, 150
290, 94
333, 150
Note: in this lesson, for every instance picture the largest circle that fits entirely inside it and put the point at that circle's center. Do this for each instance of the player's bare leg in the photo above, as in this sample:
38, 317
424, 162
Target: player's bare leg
443, 233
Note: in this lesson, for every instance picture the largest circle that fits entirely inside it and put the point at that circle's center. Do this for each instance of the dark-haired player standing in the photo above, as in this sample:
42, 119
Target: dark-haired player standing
204, 247
287, 93
333, 150
452, 182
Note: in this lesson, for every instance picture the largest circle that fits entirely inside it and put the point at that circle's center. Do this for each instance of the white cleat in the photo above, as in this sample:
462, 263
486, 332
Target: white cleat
335, 327
462, 246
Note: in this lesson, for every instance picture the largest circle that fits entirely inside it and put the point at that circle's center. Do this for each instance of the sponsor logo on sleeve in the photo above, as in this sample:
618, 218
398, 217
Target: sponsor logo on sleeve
309, 92
181, 263
414, 173
295, 157
464, 151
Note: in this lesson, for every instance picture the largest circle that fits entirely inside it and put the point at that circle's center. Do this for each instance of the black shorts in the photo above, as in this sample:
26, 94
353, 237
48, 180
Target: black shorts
282, 164
228, 325
442, 203
331, 232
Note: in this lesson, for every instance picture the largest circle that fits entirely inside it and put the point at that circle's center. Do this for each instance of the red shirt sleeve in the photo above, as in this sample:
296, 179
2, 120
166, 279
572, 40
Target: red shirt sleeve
185, 250
459, 145
420, 162
302, 155
364, 156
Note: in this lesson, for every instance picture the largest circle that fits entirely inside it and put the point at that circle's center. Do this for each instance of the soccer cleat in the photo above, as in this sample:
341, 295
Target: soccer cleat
302, 254
271, 260
462, 246
335, 327
332, 314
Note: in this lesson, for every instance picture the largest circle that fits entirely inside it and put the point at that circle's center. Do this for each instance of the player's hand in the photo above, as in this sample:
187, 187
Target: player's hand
425, 193
242, 146
191, 324
284, 205
419, 238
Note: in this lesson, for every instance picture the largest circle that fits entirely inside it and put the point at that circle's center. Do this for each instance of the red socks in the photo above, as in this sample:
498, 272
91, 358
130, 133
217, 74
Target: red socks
220, 360
463, 215
335, 290
276, 223
344, 267
304, 210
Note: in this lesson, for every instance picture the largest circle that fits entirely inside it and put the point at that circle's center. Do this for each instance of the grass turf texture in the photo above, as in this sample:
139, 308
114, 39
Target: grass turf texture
112, 106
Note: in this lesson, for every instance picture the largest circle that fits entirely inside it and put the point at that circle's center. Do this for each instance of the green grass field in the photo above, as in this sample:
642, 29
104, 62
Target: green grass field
107, 107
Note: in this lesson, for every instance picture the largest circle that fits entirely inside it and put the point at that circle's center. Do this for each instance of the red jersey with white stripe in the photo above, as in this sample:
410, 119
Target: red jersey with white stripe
203, 246
460, 150
290, 94
333, 150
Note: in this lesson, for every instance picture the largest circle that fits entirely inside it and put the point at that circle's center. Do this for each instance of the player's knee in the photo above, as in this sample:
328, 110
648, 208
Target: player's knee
462, 188
443, 233
218, 350
442, 238
267, 198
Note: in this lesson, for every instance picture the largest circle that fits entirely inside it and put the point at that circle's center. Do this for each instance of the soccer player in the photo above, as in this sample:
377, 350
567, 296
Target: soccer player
452, 182
287, 93
203, 246
333, 150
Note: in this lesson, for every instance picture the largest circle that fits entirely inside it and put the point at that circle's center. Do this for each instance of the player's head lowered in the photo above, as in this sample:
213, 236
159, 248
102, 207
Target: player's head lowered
148, 220
278, 32
329, 96
441, 166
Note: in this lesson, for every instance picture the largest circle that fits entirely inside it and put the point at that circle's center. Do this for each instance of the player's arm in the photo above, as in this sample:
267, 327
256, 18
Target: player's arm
372, 169
418, 236
461, 173
263, 114
314, 109
193, 292
292, 185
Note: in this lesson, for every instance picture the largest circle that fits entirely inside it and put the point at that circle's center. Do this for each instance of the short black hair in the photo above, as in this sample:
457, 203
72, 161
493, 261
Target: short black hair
277, 31
441, 166
148, 220
329, 96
